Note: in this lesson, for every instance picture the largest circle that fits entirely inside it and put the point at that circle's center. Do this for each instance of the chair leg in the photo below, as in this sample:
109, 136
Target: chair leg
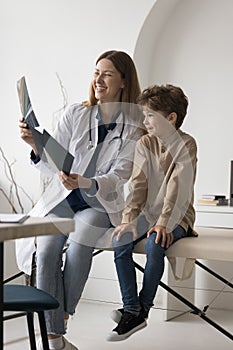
43, 330
31, 330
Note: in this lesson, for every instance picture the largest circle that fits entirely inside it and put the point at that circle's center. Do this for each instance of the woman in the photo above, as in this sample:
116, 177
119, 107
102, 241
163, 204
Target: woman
101, 134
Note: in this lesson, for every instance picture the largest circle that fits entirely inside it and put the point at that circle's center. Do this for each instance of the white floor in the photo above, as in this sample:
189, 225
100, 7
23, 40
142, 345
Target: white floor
89, 327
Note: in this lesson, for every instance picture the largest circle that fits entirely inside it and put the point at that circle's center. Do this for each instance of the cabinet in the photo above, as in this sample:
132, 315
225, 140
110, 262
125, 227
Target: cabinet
214, 216
207, 287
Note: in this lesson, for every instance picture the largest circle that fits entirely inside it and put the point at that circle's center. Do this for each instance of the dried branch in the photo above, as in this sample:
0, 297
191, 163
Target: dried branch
63, 91
9, 201
10, 177
57, 113
27, 195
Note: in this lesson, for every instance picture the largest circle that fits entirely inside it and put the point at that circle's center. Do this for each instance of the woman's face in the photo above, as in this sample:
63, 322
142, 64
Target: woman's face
107, 82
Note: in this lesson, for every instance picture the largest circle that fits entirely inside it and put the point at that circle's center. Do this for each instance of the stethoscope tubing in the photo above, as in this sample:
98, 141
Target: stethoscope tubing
90, 144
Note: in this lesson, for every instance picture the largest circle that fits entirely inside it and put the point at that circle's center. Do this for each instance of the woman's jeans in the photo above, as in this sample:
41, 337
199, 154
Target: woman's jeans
65, 280
154, 269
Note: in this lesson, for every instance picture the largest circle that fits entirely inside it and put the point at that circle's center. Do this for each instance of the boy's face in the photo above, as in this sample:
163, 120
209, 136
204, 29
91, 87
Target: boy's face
157, 123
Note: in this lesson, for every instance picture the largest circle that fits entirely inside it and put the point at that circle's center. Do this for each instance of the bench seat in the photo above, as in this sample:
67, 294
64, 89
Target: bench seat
211, 244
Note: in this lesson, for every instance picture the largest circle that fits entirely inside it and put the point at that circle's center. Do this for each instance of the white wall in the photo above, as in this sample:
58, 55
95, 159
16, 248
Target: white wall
40, 38
188, 43
185, 42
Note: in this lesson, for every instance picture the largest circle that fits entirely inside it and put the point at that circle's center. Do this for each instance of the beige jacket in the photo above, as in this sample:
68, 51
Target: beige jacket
162, 181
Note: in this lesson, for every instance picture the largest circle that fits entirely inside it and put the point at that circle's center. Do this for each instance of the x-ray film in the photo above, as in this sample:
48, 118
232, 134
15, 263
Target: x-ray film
60, 157
25, 104
49, 149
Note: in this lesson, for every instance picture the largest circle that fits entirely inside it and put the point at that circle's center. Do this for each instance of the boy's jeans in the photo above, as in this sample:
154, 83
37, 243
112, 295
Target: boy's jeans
153, 270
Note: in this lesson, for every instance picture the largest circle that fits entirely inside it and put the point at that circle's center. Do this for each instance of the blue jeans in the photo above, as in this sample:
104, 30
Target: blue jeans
123, 254
65, 280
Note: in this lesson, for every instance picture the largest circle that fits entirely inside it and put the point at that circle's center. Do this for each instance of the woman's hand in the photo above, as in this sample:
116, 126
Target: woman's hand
166, 238
122, 229
73, 181
26, 135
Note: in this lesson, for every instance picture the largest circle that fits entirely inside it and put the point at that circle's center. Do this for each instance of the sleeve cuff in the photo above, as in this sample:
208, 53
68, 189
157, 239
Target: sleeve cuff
93, 189
34, 158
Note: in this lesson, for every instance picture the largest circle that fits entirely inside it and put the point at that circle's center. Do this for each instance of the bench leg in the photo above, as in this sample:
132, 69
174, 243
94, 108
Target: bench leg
213, 273
195, 309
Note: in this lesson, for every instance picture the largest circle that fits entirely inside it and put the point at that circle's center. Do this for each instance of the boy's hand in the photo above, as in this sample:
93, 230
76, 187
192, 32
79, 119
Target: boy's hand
165, 237
122, 229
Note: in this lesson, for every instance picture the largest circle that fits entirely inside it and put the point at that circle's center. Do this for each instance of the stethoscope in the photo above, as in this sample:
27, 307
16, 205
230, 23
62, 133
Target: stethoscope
91, 146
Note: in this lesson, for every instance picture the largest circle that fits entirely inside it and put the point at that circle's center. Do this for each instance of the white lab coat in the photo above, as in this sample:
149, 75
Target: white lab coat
113, 168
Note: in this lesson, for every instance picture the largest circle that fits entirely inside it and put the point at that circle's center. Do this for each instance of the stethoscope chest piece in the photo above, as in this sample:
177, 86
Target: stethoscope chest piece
90, 146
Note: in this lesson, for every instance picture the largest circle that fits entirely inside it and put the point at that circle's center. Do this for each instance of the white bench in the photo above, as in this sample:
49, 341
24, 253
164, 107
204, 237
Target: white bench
211, 244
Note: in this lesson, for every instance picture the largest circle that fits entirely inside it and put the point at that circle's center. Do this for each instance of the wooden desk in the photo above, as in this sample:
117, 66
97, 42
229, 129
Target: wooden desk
31, 227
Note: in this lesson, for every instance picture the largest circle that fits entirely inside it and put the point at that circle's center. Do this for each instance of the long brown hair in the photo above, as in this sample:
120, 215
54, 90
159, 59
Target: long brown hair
125, 65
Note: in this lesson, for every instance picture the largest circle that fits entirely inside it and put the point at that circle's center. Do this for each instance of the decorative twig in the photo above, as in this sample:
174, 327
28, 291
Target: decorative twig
14, 185
27, 195
9, 201
65, 99
64, 93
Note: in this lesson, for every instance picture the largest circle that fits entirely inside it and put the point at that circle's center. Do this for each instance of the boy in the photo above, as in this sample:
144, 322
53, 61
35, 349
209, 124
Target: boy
160, 202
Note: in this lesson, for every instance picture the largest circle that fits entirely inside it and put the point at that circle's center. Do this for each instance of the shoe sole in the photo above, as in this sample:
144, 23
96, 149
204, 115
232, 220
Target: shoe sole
114, 336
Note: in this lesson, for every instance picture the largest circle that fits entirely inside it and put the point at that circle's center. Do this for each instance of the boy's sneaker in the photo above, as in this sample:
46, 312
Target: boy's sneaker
128, 325
116, 314
144, 313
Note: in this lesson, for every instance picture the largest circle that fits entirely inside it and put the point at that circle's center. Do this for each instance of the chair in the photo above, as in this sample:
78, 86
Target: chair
26, 300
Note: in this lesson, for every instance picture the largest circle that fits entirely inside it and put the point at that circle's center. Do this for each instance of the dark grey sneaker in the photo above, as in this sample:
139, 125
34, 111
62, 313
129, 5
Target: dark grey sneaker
116, 314
144, 313
128, 325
